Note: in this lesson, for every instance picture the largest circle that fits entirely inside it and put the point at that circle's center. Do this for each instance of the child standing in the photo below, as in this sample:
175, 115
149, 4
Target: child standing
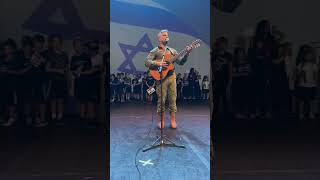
240, 83
205, 87
179, 86
307, 82
8, 67
57, 67
150, 83
290, 68
127, 87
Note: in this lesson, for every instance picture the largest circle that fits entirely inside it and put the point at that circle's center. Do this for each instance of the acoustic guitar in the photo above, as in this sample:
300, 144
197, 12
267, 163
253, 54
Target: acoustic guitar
170, 61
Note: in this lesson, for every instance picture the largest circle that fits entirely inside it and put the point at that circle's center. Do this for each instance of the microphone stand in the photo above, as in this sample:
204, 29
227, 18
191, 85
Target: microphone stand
162, 140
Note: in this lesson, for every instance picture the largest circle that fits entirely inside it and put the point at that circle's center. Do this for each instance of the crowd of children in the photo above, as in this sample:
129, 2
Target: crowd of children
133, 87
264, 79
35, 79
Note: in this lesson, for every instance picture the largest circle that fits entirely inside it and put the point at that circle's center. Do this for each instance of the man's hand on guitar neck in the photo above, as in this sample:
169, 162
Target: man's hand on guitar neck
164, 64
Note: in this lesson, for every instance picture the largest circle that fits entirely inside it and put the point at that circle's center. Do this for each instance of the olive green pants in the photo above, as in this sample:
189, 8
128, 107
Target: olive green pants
169, 93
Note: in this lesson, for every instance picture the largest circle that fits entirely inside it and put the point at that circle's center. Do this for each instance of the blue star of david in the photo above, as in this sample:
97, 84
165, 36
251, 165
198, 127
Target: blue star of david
128, 65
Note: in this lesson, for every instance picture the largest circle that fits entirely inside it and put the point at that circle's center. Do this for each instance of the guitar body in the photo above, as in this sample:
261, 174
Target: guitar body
156, 74
170, 59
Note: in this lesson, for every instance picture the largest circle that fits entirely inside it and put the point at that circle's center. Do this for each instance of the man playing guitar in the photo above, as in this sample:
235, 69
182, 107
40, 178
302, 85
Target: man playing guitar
169, 89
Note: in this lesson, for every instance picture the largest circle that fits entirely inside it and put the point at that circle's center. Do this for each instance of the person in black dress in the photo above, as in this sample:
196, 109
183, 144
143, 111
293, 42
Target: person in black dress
262, 51
191, 81
222, 70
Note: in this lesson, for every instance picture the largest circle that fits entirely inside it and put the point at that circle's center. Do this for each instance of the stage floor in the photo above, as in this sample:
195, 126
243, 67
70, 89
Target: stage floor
284, 149
71, 152
130, 124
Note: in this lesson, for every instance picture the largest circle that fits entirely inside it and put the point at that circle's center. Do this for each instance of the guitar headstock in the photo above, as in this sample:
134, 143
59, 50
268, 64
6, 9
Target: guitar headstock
195, 44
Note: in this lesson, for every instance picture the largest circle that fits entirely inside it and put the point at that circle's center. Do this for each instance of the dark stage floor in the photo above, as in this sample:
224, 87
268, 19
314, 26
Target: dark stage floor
266, 149
71, 152
130, 124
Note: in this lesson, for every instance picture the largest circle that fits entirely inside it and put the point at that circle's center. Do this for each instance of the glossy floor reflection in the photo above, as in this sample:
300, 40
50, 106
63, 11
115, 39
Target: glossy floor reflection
71, 152
267, 149
130, 124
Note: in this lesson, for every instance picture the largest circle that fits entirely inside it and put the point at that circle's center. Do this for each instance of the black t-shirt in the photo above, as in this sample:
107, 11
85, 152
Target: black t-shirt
115, 82
38, 69
196, 82
191, 78
15, 63
221, 67
80, 61
150, 81
57, 61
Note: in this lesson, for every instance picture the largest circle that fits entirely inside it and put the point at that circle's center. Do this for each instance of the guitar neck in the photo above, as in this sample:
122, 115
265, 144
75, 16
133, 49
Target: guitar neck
175, 58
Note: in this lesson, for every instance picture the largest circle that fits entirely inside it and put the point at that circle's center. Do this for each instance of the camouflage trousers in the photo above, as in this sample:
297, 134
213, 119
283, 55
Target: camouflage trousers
169, 94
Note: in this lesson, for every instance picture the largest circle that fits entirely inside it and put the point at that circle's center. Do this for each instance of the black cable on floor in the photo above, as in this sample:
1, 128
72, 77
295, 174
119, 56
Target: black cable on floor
139, 149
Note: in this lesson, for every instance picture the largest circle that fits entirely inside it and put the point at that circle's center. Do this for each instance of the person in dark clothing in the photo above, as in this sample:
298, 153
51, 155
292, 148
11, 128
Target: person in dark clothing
240, 84
149, 84
127, 87
120, 88
39, 81
113, 84
197, 88
56, 67
185, 87
279, 85
136, 88
23, 79
80, 62
191, 82
262, 51
222, 69
10, 67
179, 86
93, 74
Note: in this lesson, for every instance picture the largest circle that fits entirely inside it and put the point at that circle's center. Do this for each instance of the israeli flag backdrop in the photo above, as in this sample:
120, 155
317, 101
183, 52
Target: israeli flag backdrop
136, 23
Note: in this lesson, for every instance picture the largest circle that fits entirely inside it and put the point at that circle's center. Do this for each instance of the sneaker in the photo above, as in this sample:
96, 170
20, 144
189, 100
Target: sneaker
10, 122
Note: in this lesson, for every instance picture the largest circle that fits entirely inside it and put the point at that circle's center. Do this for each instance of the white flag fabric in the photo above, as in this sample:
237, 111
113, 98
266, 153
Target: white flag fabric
133, 33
